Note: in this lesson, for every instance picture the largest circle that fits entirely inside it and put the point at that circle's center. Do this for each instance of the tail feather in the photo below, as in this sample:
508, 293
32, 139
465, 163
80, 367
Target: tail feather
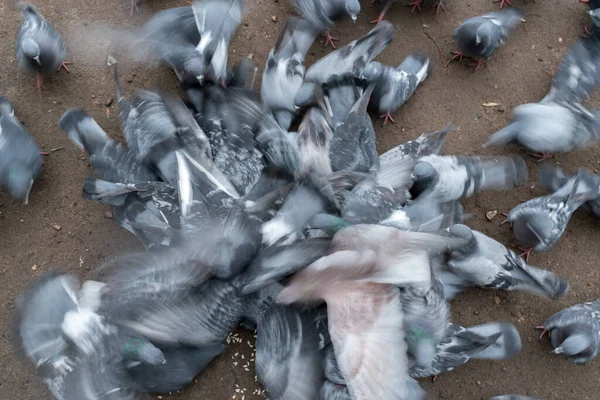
83, 131
504, 136
506, 346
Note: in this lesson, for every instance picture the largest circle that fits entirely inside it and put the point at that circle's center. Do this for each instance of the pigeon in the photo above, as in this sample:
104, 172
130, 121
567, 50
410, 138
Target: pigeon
574, 332
550, 127
394, 86
491, 341
321, 14
450, 178
513, 397
487, 263
313, 142
553, 178
424, 145
333, 391
352, 58
540, 222
288, 362
479, 37
39, 47
357, 281
20, 158
576, 77
353, 145
284, 71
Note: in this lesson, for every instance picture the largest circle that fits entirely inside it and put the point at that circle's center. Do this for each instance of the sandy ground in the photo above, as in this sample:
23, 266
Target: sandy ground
518, 73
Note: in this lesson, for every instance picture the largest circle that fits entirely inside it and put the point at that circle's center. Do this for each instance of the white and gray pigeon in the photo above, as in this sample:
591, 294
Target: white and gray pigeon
321, 14
352, 58
449, 178
487, 263
491, 341
549, 127
39, 49
288, 361
284, 71
479, 37
540, 222
20, 158
424, 145
575, 332
553, 178
395, 85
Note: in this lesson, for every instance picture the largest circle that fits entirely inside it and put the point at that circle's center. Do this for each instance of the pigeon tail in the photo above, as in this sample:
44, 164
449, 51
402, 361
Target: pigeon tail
83, 131
506, 135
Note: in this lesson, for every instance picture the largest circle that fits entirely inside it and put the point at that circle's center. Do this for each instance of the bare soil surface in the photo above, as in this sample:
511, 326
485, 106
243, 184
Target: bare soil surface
31, 245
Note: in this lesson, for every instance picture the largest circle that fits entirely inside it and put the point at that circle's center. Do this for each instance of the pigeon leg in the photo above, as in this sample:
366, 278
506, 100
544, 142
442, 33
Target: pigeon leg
440, 4
502, 2
544, 331
434, 378
525, 252
64, 65
505, 220
387, 116
587, 31
458, 55
134, 6
38, 81
329, 39
477, 63
387, 5
415, 5
541, 156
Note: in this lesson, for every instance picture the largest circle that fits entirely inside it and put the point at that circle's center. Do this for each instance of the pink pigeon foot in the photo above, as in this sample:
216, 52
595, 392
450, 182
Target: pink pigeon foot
525, 252
544, 331
439, 5
329, 40
379, 19
415, 5
505, 215
64, 65
477, 63
502, 2
587, 31
458, 55
584, 1
39, 81
541, 156
387, 116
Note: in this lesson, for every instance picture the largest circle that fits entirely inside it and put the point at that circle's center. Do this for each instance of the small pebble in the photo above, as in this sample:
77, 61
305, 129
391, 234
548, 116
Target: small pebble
108, 102
108, 215
274, 18
57, 227
34, 268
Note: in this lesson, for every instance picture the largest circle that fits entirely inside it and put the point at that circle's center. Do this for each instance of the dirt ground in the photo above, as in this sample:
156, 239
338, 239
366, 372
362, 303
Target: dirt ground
520, 72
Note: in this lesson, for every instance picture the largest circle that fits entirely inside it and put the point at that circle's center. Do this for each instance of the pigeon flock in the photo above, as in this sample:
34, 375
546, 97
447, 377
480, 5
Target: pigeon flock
272, 209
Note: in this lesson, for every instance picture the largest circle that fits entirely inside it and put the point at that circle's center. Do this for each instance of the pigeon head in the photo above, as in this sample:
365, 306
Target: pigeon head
306, 96
352, 8
421, 345
595, 16
372, 71
31, 49
573, 345
463, 232
136, 348
532, 229
19, 181
6, 106
196, 68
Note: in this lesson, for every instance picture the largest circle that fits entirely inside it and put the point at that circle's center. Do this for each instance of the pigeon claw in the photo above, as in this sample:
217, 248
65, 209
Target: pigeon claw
525, 252
64, 65
477, 63
502, 2
541, 156
440, 4
506, 218
387, 116
544, 331
329, 40
587, 33
415, 5
378, 20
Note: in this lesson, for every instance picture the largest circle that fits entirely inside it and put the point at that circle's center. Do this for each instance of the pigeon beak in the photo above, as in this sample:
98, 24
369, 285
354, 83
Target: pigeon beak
37, 59
26, 201
353, 16
200, 79
557, 350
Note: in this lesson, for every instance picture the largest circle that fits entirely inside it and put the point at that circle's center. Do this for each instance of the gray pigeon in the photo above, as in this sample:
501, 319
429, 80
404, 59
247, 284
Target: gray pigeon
284, 71
424, 145
491, 341
487, 263
553, 178
540, 222
39, 48
575, 332
479, 37
448, 178
425, 214
20, 159
288, 361
394, 86
550, 127
313, 141
321, 14
576, 77
352, 58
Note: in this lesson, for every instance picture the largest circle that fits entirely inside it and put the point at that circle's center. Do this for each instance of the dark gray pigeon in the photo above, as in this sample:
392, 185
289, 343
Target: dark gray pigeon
491, 341
424, 145
321, 14
395, 85
288, 361
479, 37
39, 48
487, 263
575, 332
284, 71
449, 178
353, 146
550, 127
540, 222
352, 58
20, 159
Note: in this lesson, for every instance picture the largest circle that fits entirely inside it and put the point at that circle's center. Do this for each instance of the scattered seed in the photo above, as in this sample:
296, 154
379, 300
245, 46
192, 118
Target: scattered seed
34, 268
274, 18
57, 227
491, 214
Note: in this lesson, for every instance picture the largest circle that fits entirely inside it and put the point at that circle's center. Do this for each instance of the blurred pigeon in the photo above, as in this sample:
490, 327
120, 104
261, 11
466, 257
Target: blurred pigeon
513, 397
353, 146
540, 222
284, 71
352, 58
288, 362
450, 178
181, 366
424, 145
487, 263
332, 370
394, 86
548, 128
425, 214
491, 341
576, 77
479, 37
333, 391
574, 332
553, 178
314, 141
20, 159
39, 47
321, 14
